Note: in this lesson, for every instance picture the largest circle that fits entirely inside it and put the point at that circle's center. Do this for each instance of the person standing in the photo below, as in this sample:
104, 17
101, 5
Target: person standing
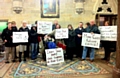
93, 29
33, 42
7, 39
14, 29
70, 43
79, 48
23, 46
108, 45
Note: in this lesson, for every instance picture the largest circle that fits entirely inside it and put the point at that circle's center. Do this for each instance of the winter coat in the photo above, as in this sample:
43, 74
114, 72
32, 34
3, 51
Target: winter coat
14, 29
70, 42
21, 29
7, 35
93, 29
78, 40
33, 36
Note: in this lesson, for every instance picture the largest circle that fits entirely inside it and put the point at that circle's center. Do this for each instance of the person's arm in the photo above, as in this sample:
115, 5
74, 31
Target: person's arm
3, 35
52, 33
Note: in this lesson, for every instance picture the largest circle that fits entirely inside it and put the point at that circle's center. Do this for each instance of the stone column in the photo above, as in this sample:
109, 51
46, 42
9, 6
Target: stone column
116, 69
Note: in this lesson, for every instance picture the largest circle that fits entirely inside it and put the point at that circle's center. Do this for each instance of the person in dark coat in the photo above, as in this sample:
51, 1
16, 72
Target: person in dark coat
7, 39
14, 29
70, 43
93, 29
23, 46
78, 40
33, 42
54, 25
108, 45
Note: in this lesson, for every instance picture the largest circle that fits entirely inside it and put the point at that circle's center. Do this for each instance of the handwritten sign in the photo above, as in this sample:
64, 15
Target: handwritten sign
61, 33
54, 56
44, 27
19, 37
91, 40
108, 33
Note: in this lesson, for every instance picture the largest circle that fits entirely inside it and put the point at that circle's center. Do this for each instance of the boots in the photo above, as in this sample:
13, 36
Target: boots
20, 56
25, 52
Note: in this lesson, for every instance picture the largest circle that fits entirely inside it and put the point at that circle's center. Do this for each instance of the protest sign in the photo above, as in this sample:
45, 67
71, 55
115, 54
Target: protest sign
54, 56
44, 27
108, 33
91, 40
19, 37
61, 33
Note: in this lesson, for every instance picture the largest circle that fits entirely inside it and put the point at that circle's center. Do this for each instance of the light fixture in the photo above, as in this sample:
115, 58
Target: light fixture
17, 6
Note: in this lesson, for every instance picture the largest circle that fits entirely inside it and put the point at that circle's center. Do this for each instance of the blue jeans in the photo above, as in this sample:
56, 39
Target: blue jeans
34, 53
92, 53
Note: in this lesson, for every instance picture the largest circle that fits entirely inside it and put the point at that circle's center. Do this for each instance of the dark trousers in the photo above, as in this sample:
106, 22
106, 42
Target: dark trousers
70, 52
15, 53
79, 50
107, 53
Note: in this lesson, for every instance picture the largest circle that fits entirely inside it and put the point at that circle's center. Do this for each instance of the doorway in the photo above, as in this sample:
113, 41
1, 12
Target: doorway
100, 19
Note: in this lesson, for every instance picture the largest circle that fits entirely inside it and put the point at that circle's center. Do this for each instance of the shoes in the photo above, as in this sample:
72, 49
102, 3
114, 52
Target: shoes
91, 60
7, 62
83, 59
24, 60
13, 61
103, 59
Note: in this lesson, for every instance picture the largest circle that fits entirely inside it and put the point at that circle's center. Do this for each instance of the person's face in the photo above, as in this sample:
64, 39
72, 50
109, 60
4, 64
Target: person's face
13, 25
106, 24
92, 23
24, 24
9, 25
57, 26
34, 28
80, 25
69, 27
56, 22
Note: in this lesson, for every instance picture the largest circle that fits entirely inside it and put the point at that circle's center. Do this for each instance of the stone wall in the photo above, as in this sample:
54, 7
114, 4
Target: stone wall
31, 12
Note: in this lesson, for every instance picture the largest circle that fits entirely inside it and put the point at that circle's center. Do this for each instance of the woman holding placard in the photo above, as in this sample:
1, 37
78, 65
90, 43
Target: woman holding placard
70, 42
108, 46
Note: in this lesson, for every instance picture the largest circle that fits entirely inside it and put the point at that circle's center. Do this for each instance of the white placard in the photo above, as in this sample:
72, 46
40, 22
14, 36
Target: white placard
20, 37
61, 33
44, 27
108, 33
54, 56
91, 40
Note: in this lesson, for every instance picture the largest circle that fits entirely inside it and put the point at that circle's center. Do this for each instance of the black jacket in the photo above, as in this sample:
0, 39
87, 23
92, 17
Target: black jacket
6, 35
21, 29
79, 39
70, 42
14, 29
33, 36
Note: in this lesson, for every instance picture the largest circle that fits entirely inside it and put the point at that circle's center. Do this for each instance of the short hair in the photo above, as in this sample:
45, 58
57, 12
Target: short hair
9, 23
81, 22
36, 22
13, 22
87, 23
107, 22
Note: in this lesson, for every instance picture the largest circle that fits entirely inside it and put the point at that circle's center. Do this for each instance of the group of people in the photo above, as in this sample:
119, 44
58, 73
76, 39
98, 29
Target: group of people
73, 43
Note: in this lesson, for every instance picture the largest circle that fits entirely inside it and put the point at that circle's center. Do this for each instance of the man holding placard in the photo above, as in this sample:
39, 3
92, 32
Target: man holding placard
93, 29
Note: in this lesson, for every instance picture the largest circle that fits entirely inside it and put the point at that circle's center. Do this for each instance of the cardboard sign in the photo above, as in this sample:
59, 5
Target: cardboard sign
91, 40
44, 27
19, 37
54, 56
61, 33
108, 33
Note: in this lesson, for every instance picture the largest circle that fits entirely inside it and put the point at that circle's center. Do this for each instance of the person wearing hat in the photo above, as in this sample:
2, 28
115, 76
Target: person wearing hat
23, 46
33, 42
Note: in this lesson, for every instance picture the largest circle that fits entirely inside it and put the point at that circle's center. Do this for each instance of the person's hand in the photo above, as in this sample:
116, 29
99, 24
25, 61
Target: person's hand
92, 33
11, 36
79, 35
5, 41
